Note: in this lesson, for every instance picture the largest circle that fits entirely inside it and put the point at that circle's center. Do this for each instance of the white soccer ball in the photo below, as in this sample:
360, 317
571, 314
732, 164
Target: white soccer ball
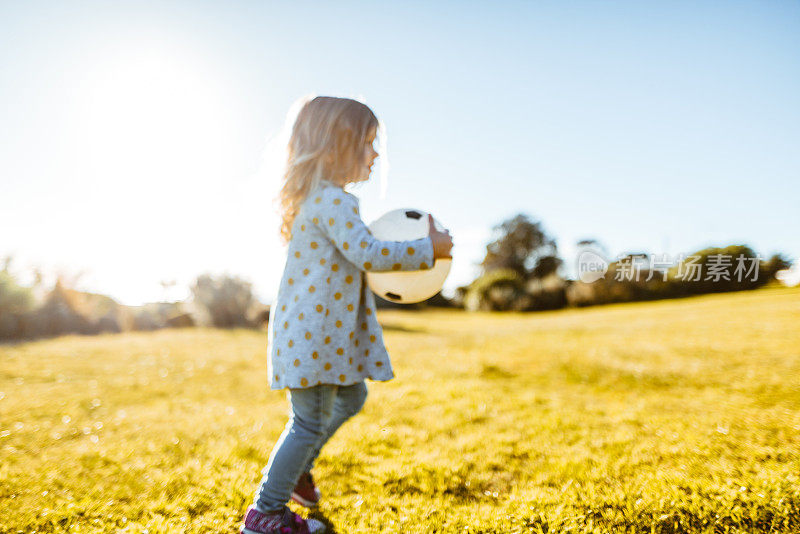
406, 287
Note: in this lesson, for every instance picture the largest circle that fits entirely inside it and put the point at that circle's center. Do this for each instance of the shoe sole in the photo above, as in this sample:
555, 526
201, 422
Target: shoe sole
299, 500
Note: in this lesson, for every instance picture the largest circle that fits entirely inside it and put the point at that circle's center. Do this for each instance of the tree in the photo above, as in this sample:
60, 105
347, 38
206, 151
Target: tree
522, 246
15, 302
227, 299
777, 262
591, 243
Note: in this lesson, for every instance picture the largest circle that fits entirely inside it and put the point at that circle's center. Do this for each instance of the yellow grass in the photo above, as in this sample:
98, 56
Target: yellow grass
670, 416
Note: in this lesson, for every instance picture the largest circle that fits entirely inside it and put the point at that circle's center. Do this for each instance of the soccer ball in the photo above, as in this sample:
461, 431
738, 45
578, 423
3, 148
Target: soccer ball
406, 287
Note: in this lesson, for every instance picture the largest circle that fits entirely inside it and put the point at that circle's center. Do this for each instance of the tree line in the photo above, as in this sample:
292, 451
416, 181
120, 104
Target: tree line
521, 271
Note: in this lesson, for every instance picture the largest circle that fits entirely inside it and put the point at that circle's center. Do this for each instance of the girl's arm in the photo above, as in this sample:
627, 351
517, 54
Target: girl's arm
335, 213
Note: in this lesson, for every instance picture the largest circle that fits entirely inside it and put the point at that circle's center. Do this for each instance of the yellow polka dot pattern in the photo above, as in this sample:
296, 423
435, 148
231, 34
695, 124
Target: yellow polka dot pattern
335, 241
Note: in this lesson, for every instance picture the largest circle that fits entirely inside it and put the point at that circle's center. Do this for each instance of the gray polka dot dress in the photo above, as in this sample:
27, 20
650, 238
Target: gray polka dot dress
322, 325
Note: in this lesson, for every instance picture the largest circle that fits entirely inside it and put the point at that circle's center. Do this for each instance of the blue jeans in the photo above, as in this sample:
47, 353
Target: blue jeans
316, 414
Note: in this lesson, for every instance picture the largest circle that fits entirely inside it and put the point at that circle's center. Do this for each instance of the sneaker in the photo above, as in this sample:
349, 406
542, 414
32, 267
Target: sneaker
306, 493
281, 522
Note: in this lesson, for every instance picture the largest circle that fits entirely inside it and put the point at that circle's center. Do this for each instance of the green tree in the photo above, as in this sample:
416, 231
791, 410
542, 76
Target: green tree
522, 246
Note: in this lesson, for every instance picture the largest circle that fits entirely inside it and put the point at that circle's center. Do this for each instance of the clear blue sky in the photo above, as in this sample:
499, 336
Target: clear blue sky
133, 133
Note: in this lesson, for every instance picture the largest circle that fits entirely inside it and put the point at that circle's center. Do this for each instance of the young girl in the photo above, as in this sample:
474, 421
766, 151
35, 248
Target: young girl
324, 338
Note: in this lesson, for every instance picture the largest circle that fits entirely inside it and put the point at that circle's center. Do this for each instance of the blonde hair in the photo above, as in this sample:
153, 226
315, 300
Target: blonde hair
326, 143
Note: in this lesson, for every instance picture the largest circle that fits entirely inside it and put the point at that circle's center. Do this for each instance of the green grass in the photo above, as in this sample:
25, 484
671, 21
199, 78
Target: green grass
669, 416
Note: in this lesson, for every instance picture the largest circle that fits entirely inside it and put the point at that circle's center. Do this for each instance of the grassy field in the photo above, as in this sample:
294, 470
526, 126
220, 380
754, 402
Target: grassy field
672, 416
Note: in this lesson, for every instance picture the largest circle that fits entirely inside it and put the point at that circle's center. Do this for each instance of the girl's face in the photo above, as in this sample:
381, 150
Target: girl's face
364, 164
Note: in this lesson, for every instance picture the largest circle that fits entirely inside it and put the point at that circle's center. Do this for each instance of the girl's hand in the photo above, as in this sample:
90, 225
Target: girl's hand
442, 242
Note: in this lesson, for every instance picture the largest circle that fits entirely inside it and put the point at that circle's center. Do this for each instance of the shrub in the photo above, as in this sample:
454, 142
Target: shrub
729, 281
547, 293
497, 290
